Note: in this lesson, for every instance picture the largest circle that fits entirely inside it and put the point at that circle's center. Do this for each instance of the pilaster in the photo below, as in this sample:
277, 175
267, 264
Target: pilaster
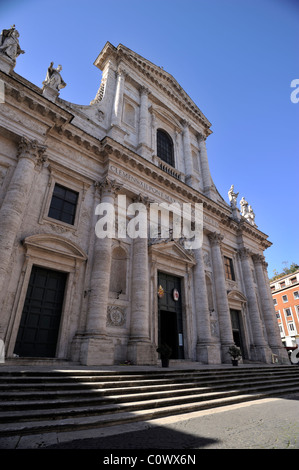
187, 153
205, 169
143, 144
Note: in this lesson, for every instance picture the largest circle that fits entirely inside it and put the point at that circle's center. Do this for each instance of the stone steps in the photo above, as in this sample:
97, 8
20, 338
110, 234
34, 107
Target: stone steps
46, 402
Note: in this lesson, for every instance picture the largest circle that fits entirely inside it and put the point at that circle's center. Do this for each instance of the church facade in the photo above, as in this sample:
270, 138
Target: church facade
79, 280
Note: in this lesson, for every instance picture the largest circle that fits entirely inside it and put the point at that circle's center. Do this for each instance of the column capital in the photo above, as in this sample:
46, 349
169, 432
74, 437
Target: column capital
186, 125
121, 72
143, 90
244, 253
258, 259
201, 138
108, 186
142, 199
215, 238
32, 150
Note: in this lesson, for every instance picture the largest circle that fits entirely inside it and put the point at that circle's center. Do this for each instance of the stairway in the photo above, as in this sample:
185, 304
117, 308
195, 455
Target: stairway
39, 402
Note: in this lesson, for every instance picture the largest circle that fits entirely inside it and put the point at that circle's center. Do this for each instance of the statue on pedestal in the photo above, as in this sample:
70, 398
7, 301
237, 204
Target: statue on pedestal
232, 196
244, 207
53, 78
9, 43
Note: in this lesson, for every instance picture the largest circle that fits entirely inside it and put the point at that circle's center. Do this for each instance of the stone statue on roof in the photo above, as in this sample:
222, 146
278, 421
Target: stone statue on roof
9, 43
53, 78
232, 196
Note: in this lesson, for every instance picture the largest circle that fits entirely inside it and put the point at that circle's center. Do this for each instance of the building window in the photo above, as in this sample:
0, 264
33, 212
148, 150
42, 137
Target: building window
291, 327
293, 280
288, 312
229, 268
275, 301
277, 315
282, 284
165, 147
63, 204
284, 298
296, 295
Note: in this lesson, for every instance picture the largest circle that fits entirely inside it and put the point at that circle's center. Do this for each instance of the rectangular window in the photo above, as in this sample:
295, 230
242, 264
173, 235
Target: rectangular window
63, 204
296, 294
284, 298
275, 301
293, 280
288, 312
291, 327
282, 284
277, 314
229, 268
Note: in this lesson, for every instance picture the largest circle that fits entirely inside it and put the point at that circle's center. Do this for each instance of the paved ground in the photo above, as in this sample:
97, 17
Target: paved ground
264, 424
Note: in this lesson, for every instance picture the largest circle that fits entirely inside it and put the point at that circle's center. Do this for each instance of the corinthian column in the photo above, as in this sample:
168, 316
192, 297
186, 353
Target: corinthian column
143, 121
30, 154
261, 348
268, 309
97, 347
206, 350
187, 153
140, 349
225, 326
205, 169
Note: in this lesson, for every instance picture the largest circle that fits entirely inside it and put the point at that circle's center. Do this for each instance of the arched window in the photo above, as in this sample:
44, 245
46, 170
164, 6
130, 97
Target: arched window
165, 147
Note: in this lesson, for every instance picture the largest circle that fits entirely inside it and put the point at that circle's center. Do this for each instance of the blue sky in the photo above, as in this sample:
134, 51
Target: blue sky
235, 58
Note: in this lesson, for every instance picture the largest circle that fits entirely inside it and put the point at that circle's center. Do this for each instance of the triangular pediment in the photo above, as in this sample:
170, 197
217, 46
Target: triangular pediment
152, 72
173, 250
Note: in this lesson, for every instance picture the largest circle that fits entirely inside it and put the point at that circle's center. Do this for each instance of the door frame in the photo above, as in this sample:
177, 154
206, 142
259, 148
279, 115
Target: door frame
59, 254
177, 323
171, 258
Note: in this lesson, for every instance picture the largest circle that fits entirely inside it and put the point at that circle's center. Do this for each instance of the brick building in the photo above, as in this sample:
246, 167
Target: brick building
285, 293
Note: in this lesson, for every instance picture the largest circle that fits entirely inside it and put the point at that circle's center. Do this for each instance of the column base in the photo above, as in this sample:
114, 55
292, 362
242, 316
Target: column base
261, 354
142, 353
96, 351
281, 354
208, 353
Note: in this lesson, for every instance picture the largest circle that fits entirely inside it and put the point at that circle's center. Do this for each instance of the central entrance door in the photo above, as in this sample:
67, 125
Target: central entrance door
237, 329
39, 326
170, 314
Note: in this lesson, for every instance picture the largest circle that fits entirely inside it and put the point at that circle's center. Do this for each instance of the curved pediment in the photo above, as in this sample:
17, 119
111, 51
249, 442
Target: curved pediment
236, 295
56, 244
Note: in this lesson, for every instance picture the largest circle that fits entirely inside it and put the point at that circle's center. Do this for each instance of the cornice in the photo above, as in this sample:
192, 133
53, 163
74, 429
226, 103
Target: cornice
152, 172
33, 100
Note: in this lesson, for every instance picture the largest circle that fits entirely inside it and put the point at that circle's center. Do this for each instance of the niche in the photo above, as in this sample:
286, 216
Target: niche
118, 278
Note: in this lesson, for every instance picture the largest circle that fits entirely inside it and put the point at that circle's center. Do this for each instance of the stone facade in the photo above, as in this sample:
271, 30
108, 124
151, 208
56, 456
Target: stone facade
56, 152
